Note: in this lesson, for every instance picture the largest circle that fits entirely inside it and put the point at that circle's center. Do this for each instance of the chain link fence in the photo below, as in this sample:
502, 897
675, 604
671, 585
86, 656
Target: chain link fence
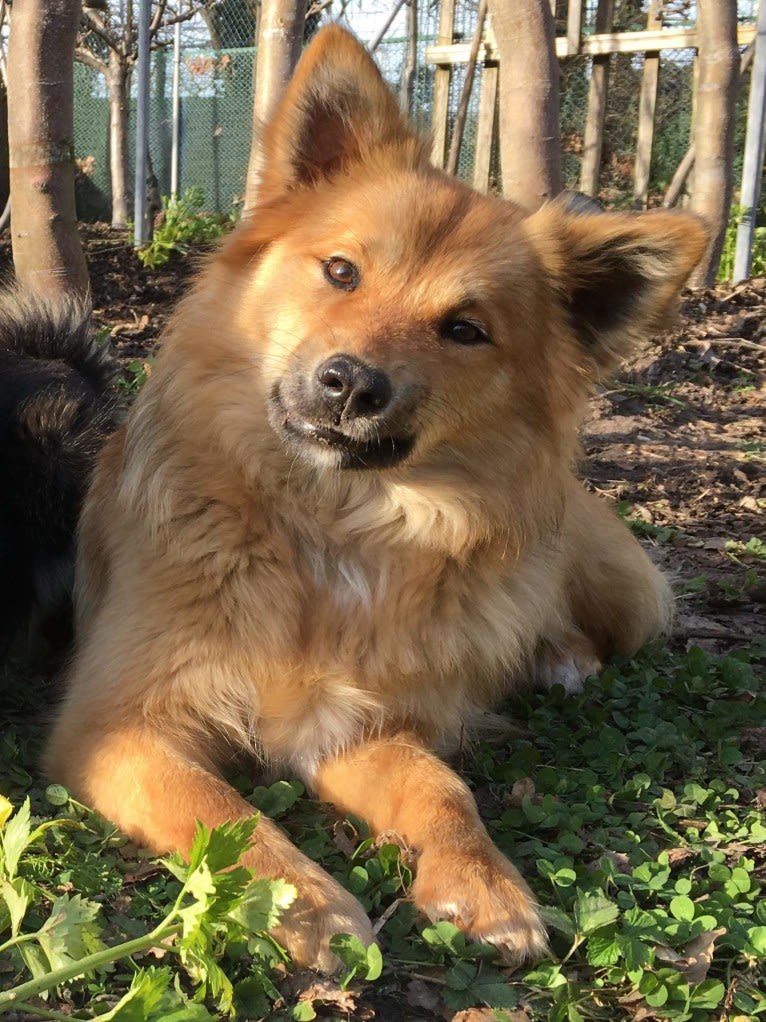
215, 90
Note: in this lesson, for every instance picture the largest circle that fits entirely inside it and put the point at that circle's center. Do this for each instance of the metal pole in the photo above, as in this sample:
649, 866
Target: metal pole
752, 167
176, 111
140, 233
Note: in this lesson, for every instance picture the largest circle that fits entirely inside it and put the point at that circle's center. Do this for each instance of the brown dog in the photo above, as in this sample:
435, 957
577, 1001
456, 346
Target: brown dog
341, 520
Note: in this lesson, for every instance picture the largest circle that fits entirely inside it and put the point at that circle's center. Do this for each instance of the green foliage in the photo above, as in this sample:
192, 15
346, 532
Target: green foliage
218, 907
640, 832
183, 225
753, 550
134, 375
643, 529
758, 263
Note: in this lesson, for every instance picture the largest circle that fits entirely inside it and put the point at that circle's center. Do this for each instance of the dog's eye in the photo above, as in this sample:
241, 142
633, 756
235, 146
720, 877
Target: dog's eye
464, 331
341, 273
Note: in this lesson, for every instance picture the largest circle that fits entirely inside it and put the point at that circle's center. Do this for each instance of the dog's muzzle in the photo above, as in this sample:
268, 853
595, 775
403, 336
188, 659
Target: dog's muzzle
348, 406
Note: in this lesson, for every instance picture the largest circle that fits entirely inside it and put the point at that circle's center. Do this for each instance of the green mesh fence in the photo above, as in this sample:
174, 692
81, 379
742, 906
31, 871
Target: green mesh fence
216, 74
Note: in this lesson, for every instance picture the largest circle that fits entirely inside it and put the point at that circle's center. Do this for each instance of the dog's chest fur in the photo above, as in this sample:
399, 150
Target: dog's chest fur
367, 636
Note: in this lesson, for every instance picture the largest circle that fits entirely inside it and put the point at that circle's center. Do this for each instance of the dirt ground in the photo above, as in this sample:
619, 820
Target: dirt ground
678, 438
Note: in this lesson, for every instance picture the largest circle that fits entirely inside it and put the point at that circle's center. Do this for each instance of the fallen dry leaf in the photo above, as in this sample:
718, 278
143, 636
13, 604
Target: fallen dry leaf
304, 985
488, 1015
620, 860
143, 871
425, 996
345, 844
694, 961
676, 856
523, 788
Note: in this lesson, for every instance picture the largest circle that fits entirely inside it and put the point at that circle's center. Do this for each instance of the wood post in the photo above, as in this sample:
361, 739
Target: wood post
486, 126
442, 77
408, 74
647, 106
465, 96
575, 13
593, 136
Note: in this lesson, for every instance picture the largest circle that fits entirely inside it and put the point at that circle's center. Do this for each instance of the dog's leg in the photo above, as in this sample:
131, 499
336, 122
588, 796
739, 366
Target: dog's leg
617, 597
396, 784
155, 789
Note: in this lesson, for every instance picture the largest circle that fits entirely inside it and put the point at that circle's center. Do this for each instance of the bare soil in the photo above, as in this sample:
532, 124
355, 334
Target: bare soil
677, 439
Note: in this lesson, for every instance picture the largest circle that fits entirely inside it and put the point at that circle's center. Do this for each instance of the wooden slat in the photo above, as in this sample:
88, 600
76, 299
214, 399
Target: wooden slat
575, 15
485, 127
647, 106
593, 136
592, 45
442, 77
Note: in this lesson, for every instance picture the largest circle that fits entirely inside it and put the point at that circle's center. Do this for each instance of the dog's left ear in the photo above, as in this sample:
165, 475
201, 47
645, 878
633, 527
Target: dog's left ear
335, 109
618, 275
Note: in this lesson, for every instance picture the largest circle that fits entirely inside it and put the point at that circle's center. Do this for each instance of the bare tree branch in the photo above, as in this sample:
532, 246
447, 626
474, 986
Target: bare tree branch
88, 57
465, 95
158, 15
318, 6
97, 25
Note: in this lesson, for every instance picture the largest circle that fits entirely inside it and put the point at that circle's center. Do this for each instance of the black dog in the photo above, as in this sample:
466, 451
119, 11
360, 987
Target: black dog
55, 411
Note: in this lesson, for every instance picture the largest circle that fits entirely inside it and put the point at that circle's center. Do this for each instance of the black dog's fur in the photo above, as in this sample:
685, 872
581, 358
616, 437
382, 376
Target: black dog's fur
55, 412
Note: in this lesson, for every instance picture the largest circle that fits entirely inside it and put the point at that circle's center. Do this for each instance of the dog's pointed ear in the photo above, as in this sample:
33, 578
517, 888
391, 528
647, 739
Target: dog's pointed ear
335, 109
618, 274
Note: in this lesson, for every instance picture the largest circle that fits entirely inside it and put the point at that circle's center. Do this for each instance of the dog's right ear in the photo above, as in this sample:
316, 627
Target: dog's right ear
335, 110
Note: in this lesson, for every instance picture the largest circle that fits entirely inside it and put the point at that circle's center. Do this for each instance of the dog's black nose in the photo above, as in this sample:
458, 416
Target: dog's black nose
352, 389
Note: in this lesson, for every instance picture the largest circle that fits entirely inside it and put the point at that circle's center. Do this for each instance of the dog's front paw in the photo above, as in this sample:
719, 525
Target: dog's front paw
567, 660
485, 896
317, 914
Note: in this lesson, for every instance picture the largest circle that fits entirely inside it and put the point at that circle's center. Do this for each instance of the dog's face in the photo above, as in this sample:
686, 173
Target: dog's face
398, 315
400, 332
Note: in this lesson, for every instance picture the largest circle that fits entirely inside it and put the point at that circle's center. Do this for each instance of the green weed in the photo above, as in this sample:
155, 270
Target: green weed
653, 394
183, 225
752, 450
753, 550
643, 529
135, 375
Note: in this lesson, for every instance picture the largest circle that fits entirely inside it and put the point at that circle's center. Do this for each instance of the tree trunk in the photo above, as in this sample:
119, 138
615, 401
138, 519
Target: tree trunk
530, 153
280, 37
118, 85
718, 61
47, 253
5, 186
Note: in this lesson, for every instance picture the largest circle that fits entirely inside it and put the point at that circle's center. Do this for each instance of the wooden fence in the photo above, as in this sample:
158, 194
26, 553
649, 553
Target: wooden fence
600, 45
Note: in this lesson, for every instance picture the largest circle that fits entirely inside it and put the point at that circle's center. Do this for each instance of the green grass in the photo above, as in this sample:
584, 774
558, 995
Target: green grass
653, 394
634, 810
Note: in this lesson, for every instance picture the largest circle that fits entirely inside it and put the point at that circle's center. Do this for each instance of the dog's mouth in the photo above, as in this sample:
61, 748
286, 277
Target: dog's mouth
383, 450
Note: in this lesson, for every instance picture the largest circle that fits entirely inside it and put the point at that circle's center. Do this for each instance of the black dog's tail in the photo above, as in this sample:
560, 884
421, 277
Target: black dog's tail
56, 409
